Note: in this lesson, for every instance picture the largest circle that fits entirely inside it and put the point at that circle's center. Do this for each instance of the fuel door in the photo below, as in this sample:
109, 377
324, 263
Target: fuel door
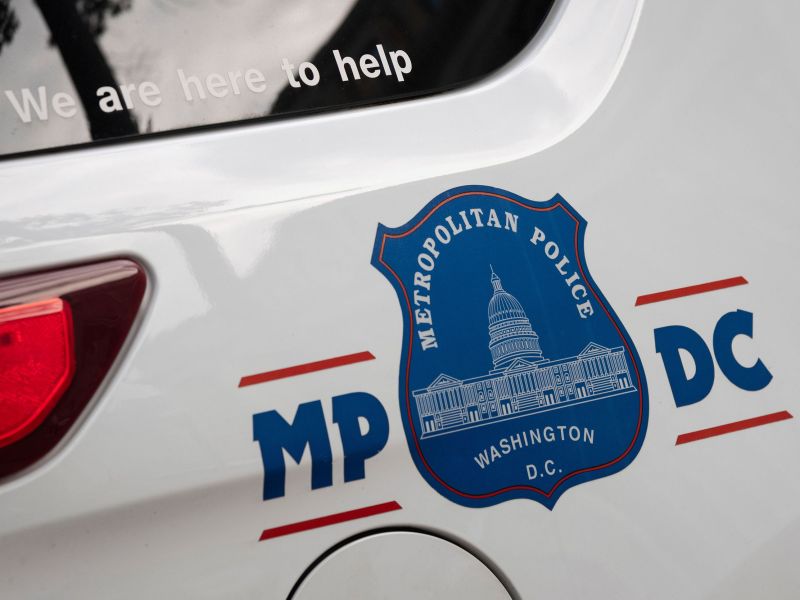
399, 565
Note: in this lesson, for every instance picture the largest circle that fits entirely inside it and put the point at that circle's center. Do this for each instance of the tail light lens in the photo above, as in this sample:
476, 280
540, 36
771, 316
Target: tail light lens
37, 361
60, 333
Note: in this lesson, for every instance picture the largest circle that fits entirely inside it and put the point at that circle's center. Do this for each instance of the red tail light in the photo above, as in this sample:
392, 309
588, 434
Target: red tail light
37, 360
60, 332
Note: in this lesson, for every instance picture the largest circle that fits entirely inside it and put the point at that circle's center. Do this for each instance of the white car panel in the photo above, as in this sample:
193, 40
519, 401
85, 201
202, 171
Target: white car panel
257, 242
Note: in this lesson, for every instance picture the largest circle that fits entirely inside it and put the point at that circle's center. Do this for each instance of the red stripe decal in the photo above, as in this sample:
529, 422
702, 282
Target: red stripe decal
702, 434
320, 365
349, 515
691, 290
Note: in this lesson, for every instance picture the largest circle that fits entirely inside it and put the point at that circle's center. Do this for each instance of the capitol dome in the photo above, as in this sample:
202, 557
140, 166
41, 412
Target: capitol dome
503, 305
511, 336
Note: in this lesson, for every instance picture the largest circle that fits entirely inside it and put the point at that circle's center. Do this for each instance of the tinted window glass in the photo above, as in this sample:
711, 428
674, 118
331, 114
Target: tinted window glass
73, 71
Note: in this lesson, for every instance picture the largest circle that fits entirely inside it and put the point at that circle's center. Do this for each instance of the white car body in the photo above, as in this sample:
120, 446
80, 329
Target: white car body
672, 127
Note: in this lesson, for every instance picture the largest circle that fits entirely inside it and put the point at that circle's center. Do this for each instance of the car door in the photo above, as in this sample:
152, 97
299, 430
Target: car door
398, 298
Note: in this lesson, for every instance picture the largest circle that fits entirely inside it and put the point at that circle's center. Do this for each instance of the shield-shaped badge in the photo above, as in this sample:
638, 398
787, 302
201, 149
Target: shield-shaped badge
517, 379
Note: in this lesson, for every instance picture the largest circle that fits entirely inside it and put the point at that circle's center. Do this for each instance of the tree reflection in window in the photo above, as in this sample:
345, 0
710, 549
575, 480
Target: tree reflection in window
74, 28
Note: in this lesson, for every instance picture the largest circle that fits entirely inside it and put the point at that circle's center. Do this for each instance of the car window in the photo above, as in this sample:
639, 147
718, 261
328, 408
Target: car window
74, 71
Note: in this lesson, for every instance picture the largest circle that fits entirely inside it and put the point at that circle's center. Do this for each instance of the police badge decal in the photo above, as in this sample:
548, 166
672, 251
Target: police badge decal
517, 379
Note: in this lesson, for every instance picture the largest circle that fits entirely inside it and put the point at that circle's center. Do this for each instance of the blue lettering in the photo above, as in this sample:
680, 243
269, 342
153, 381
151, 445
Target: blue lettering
357, 447
685, 391
274, 435
728, 327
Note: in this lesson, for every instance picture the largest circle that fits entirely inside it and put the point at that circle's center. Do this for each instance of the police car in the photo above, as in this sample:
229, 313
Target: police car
419, 299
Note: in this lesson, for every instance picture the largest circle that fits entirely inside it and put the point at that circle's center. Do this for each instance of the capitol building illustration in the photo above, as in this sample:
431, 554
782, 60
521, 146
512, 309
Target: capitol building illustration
522, 381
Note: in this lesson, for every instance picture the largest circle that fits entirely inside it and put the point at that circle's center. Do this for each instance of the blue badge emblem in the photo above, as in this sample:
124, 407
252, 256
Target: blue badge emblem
517, 380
